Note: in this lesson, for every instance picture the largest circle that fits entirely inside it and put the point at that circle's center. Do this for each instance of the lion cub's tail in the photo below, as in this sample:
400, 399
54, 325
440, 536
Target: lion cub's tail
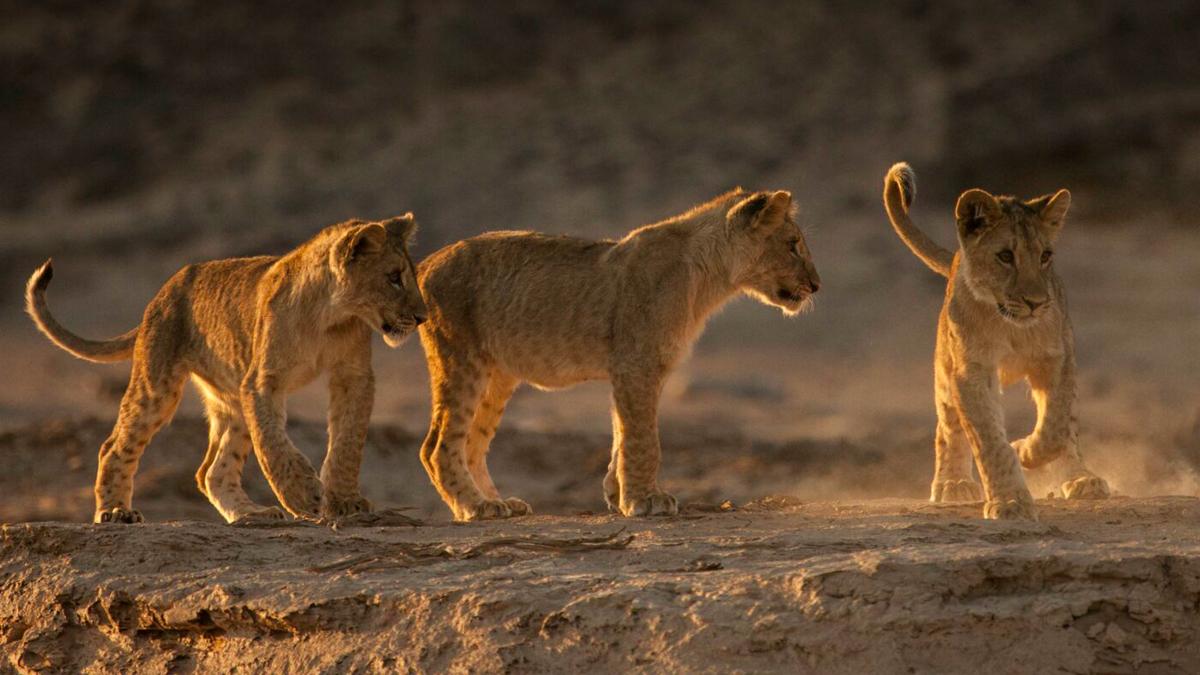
107, 351
899, 190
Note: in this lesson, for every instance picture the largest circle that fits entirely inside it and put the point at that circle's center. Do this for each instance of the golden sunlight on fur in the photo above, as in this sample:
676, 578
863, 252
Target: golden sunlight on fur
1004, 318
249, 331
508, 307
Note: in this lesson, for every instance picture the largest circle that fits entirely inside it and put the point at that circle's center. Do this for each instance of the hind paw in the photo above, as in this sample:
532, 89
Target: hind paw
1086, 487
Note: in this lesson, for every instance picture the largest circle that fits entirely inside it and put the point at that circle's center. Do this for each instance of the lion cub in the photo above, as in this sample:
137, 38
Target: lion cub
249, 331
507, 307
1004, 318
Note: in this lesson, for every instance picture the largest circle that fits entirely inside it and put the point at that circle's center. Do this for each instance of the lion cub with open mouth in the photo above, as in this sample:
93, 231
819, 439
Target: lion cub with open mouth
507, 307
1004, 318
249, 331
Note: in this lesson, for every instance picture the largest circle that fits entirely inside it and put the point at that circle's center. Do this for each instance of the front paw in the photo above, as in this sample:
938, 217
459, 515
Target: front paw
1034, 455
1021, 446
303, 497
338, 506
957, 490
612, 493
655, 503
118, 515
486, 509
262, 514
518, 507
1011, 509
1086, 487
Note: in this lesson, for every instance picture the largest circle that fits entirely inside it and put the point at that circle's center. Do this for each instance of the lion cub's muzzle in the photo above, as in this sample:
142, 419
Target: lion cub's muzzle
798, 293
396, 332
1025, 310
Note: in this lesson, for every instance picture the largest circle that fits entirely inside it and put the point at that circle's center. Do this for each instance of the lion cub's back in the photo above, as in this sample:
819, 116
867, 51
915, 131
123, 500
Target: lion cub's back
512, 290
214, 302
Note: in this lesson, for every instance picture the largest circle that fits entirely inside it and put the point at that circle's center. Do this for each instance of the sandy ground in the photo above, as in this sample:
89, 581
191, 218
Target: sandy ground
887, 586
749, 578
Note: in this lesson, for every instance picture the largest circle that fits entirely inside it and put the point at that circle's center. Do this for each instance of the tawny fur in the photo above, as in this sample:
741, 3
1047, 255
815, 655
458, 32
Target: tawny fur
1004, 318
508, 307
249, 331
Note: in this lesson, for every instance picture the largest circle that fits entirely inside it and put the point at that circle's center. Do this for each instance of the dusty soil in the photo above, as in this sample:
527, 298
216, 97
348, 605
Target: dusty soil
756, 575
888, 586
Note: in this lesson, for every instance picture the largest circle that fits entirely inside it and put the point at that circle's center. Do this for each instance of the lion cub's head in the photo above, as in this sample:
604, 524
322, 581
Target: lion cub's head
376, 279
1008, 250
776, 265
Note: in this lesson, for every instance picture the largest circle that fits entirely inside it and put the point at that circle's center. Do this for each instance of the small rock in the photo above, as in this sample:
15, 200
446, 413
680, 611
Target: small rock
1113, 635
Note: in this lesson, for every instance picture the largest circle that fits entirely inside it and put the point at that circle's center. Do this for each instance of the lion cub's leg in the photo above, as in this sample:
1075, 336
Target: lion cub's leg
499, 389
1067, 477
952, 479
1007, 497
1078, 481
351, 396
1051, 452
289, 473
635, 437
612, 486
148, 403
457, 381
220, 476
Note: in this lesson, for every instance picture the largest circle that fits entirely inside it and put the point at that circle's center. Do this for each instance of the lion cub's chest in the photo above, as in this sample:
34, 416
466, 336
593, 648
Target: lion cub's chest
304, 373
1021, 353
317, 358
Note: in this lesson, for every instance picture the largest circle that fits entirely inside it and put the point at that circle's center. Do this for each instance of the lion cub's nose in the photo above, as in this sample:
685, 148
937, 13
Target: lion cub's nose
1034, 304
420, 317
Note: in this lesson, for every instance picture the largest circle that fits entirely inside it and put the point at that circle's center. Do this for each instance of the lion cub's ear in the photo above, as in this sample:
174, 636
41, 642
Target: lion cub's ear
401, 228
360, 241
761, 212
975, 211
1052, 209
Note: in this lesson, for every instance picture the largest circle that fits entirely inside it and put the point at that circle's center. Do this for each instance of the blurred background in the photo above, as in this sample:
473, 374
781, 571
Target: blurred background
141, 135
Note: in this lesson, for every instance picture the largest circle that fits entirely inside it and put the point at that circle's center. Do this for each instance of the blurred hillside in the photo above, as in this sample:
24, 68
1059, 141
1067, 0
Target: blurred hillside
164, 124
141, 135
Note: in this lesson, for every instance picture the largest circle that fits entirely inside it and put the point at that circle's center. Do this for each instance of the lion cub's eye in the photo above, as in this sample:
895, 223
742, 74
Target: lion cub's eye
794, 247
395, 278
1005, 256
1046, 256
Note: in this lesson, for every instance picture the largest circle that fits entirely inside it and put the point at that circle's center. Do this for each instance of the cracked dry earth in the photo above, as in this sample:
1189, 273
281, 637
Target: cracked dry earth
889, 586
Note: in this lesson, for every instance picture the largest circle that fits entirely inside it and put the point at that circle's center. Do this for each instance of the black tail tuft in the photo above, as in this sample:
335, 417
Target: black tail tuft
44, 275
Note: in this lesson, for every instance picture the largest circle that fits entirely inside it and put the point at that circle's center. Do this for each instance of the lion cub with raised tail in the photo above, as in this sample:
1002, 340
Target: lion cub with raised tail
249, 331
507, 307
1004, 318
